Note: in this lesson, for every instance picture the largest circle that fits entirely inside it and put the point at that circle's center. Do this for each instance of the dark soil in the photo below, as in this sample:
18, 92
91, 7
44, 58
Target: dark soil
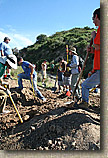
50, 125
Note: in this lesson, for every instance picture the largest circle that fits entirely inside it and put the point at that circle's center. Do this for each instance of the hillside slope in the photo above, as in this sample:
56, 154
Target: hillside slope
52, 47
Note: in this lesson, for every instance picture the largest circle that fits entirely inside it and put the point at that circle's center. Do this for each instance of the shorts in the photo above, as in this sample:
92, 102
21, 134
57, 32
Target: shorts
60, 83
67, 81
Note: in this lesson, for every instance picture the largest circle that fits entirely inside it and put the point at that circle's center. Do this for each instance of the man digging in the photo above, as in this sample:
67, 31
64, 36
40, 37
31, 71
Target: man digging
29, 74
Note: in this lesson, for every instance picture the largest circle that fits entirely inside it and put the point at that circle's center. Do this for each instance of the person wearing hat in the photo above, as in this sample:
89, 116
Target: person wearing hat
29, 74
5, 62
74, 71
6, 50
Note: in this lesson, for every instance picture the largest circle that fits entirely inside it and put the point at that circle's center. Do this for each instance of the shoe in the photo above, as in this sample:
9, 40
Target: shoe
83, 104
78, 98
9, 77
43, 85
5, 77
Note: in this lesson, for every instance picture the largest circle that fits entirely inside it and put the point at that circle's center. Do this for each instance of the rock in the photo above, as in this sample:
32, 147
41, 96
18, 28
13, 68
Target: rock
33, 128
50, 142
26, 117
40, 148
46, 148
59, 142
73, 143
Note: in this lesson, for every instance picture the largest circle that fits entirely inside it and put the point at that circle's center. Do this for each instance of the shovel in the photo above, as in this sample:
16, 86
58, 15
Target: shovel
33, 90
73, 102
81, 73
15, 108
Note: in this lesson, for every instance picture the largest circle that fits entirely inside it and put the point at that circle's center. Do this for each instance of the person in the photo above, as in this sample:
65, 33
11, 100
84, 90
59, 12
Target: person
67, 81
52, 67
74, 71
5, 50
60, 75
29, 74
94, 78
62, 64
44, 66
9, 61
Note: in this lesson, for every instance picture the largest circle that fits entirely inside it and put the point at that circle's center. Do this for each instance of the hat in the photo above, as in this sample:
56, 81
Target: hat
12, 61
73, 50
6, 38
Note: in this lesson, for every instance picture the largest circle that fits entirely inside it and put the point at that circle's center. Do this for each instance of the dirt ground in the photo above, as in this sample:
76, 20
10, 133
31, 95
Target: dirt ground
50, 125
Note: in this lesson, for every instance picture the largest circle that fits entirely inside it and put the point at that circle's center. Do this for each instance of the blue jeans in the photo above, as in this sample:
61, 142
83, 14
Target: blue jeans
89, 83
24, 76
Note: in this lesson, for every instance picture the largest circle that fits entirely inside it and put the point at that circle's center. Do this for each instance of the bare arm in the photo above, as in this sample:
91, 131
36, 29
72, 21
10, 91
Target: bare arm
97, 46
2, 54
32, 69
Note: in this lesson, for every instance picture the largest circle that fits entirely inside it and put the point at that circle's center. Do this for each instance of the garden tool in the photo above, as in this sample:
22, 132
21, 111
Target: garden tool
33, 90
14, 106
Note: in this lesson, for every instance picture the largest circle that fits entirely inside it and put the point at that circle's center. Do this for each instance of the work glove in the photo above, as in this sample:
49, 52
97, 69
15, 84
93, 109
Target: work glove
8, 91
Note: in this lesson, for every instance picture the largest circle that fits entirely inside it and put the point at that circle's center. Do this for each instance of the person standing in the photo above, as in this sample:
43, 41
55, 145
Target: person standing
5, 62
60, 75
44, 66
6, 50
94, 79
52, 67
29, 74
74, 71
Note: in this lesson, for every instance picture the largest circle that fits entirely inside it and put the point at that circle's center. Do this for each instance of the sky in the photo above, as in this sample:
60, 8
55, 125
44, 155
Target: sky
23, 20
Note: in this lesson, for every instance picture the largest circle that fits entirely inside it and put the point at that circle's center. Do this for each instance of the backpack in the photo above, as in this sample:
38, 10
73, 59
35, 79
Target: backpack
81, 62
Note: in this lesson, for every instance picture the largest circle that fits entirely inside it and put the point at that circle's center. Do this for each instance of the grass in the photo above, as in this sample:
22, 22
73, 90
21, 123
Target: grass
49, 82
14, 72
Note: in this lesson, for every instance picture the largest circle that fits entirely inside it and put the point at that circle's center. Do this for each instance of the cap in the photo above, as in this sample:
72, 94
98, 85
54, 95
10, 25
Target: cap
6, 38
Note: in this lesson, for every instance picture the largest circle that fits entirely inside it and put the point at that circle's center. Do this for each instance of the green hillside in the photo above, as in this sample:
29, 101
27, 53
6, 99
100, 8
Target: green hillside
54, 46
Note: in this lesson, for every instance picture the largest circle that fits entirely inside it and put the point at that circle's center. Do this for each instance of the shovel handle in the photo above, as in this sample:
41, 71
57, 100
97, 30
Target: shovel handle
33, 88
91, 42
15, 108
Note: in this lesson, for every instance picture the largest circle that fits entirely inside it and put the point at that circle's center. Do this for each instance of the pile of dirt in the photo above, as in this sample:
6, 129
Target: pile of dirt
50, 125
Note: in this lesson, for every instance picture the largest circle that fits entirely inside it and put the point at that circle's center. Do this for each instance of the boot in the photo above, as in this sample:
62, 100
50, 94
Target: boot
83, 104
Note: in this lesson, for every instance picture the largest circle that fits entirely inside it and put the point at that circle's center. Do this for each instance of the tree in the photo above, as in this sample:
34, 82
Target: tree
15, 51
41, 38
